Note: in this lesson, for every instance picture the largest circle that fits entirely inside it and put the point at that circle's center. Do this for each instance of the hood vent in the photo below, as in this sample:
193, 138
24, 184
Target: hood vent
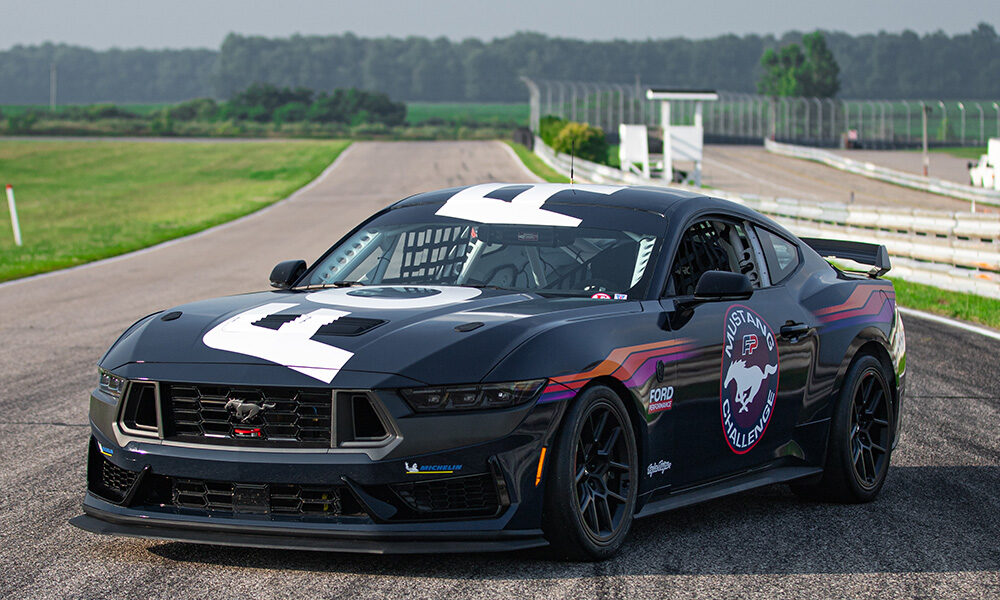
349, 326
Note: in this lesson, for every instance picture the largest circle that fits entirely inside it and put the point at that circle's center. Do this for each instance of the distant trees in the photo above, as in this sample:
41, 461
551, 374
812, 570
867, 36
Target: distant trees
788, 71
883, 65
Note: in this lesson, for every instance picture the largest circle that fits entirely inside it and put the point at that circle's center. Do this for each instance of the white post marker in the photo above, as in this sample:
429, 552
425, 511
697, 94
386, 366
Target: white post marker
13, 214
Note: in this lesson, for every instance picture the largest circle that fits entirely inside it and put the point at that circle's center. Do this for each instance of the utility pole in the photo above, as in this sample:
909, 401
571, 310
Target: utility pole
52, 87
924, 111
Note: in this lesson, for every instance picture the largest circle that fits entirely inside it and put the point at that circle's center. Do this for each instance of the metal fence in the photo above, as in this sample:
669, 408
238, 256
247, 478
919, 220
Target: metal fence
749, 118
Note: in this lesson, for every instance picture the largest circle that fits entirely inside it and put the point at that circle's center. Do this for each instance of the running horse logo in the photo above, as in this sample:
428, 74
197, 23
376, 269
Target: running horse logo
245, 411
748, 381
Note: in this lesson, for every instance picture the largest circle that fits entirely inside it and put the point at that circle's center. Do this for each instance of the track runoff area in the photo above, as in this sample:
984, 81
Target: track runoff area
932, 532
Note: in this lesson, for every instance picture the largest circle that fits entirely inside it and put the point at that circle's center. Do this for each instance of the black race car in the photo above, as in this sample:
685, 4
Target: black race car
499, 367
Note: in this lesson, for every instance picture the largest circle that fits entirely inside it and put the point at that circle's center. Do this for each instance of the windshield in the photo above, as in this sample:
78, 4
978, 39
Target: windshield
598, 262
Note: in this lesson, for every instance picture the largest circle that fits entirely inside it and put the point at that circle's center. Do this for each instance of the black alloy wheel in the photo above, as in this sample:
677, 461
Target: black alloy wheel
603, 473
591, 478
870, 428
860, 444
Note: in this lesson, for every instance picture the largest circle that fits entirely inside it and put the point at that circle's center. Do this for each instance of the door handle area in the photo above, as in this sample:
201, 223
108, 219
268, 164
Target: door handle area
792, 331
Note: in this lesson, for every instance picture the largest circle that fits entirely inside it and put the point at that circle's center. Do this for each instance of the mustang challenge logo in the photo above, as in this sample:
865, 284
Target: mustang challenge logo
749, 384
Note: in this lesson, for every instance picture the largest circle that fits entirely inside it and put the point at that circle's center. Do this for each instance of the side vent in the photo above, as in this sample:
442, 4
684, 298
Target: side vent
360, 421
140, 413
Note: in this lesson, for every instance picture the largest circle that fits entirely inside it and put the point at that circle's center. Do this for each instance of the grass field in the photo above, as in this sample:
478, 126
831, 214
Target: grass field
968, 152
17, 109
82, 201
485, 114
536, 165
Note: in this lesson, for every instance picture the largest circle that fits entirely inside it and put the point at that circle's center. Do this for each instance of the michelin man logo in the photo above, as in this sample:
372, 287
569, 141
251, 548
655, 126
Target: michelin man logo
475, 204
750, 385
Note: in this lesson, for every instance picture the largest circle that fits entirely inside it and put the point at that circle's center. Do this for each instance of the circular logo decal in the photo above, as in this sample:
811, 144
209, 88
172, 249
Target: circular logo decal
749, 378
394, 296
601, 296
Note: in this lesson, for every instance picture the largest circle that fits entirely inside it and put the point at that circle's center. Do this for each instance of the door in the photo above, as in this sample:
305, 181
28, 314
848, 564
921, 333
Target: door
737, 395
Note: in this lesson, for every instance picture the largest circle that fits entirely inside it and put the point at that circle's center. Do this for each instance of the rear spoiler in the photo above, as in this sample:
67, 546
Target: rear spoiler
867, 254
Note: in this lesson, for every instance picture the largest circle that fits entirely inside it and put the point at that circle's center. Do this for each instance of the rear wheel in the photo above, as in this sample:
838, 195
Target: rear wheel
859, 448
592, 485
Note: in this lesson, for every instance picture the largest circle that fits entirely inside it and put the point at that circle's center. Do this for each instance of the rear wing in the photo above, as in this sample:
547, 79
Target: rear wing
867, 254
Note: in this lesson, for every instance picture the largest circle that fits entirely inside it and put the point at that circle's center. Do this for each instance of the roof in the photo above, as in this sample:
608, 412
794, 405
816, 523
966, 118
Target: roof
678, 94
653, 199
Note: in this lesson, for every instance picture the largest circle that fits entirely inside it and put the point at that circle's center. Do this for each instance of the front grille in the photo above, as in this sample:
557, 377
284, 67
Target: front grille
473, 495
276, 499
247, 415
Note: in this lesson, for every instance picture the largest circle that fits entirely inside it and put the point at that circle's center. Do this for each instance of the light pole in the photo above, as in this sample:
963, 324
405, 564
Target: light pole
961, 112
982, 124
924, 111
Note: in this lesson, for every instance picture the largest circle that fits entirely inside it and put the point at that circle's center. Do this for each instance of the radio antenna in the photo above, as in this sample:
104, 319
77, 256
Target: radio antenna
572, 159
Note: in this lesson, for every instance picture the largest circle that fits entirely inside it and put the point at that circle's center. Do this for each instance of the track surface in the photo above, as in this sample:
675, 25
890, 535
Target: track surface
753, 170
934, 532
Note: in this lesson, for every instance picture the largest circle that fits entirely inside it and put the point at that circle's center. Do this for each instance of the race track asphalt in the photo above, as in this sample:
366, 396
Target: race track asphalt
754, 170
934, 531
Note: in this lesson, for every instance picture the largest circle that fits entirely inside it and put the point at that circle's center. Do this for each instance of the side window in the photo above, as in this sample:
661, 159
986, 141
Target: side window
712, 246
782, 256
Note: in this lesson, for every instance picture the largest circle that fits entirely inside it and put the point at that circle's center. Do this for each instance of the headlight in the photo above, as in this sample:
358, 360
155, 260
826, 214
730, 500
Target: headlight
473, 397
111, 384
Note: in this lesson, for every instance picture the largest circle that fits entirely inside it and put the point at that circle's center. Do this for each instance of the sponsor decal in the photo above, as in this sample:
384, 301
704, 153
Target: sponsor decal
416, 469
527, 236
658, 467
749, 378
661, 399
621, 296
484, 204
601, 296
105, 450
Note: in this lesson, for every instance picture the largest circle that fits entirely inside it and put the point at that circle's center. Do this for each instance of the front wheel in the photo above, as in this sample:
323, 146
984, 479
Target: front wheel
860, 442
592, 485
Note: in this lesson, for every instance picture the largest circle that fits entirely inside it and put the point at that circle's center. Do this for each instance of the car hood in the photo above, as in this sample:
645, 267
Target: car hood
428, 334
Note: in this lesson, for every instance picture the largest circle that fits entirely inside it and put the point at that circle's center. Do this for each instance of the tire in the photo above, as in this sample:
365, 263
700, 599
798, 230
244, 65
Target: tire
591, 487
860, 445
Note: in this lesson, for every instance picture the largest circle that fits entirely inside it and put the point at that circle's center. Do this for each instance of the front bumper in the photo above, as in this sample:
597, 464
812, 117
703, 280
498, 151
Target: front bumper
488, 500
107, 519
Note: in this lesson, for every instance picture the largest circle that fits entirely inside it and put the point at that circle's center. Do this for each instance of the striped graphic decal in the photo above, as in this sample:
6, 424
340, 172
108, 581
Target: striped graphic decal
866, 304
632, 365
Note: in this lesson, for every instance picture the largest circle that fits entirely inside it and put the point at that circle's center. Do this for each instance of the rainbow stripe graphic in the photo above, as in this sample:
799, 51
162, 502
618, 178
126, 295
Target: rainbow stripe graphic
870, 303
632, 365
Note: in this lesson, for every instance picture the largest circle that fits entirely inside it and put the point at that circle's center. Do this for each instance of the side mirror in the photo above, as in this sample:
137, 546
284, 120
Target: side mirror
718, 286
286, 273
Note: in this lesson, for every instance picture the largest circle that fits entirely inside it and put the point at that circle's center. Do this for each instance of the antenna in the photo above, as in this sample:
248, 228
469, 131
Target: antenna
572, 159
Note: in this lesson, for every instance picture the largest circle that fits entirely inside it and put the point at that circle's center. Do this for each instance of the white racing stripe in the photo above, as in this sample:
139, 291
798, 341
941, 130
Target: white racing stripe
993, 335
472, 204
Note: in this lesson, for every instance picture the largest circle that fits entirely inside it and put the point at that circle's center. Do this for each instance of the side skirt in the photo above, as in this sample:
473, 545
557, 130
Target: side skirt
727, 487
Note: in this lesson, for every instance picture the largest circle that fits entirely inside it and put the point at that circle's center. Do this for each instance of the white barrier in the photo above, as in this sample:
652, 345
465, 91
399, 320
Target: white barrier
867, 169
955, 251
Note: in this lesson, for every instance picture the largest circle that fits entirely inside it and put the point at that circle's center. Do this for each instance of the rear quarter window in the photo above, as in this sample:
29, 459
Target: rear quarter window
782, 255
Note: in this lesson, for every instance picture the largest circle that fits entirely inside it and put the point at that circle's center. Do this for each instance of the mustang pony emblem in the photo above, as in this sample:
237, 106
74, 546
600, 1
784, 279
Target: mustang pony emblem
245, 411
748, 380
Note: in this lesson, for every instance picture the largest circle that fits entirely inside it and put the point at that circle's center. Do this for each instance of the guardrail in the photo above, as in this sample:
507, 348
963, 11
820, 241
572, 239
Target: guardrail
952, 250
867, 169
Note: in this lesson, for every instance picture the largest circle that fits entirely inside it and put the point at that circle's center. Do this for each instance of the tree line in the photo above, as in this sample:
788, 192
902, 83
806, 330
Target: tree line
882, 65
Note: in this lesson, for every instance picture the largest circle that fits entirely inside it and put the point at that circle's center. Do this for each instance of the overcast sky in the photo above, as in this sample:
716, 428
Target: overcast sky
204, 23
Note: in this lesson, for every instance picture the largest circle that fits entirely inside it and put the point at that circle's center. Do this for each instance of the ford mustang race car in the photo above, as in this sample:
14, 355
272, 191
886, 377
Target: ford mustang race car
504, 366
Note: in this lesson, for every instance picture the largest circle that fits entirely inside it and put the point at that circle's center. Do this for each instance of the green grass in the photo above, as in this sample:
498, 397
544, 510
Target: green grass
17, 109
957, 305
537, 165
469, 113
967, 152
83, 201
